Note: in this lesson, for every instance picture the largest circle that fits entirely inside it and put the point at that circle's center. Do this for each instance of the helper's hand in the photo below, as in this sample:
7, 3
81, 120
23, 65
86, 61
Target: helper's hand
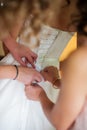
50, 73
33, 92
28, 75
22, 51
19, 51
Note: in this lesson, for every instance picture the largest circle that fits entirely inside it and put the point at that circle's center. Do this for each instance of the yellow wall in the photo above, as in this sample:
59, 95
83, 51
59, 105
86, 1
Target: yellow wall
1, 49
72, 45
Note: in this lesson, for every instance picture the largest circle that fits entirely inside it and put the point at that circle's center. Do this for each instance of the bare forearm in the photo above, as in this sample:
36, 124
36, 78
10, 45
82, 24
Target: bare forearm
10, 42
17, 28
47, 106
10, 39
7, 71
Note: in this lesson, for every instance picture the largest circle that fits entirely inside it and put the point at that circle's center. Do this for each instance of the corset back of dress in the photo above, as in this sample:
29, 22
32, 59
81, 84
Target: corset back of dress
52, 43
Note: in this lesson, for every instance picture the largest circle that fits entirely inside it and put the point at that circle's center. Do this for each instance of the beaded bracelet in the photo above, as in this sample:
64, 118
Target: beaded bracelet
58, 78
54, 84
16, 72
55, 81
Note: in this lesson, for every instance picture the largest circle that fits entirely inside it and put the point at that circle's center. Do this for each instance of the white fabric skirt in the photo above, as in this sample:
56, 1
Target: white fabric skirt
16, 111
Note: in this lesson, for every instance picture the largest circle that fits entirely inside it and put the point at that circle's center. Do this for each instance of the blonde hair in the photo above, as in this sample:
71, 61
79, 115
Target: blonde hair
12, 10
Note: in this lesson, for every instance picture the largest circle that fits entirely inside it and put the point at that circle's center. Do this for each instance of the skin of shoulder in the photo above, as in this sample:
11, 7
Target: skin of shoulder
77, 58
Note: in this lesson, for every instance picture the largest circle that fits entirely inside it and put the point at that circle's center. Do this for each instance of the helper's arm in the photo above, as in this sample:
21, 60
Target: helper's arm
72, 93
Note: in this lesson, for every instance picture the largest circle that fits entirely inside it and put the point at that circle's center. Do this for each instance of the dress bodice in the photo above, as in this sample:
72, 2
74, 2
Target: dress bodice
52, 43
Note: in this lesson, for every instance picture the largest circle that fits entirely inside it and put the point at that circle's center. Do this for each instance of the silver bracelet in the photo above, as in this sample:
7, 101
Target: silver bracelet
16, 72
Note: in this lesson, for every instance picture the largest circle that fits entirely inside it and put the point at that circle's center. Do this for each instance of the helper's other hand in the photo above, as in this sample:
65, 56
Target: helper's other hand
19, 51
50, 73
22, 51
33, 92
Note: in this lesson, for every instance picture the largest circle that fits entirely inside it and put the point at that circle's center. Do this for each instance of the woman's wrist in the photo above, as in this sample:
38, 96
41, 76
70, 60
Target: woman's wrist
8, 72
10, 42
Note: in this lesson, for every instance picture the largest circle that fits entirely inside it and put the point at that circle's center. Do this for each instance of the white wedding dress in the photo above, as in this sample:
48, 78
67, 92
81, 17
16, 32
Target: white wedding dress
16, 111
